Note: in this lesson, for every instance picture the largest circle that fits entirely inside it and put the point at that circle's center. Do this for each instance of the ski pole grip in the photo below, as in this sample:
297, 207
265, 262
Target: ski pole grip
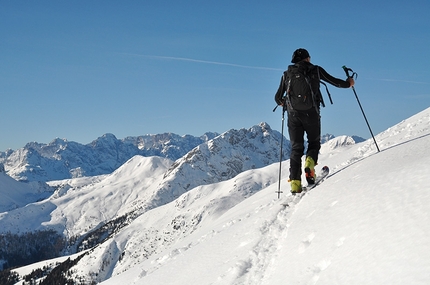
346, 69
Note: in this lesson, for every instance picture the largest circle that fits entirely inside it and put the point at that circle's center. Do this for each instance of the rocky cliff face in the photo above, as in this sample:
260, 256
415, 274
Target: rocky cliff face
222, 158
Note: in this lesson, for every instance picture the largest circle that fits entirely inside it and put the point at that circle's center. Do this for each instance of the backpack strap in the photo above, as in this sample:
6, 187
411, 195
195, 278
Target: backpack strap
328, 93
314, 96
326, 88
287, 96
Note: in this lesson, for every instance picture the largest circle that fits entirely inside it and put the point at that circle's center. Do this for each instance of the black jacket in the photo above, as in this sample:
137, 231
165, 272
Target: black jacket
323, 75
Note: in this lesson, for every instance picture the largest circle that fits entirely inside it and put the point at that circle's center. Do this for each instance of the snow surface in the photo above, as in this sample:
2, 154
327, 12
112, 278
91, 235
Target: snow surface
19, 194
368, 223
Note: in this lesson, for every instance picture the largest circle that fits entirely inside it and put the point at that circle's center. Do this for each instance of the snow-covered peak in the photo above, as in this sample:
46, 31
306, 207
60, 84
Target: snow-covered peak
61, 159
220, 159
106, 140
337, 142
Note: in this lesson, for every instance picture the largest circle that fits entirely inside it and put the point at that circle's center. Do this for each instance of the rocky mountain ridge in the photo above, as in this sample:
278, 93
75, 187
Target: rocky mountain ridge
62, 159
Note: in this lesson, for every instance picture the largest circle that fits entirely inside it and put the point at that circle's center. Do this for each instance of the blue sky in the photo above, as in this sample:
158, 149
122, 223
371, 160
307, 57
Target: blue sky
80, 69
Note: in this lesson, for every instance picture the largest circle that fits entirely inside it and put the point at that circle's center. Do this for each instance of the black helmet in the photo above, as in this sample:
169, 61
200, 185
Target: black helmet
299, 55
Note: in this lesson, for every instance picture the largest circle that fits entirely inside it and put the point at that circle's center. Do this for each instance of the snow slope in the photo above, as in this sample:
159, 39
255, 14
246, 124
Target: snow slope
82, 205
16, 194
368, 223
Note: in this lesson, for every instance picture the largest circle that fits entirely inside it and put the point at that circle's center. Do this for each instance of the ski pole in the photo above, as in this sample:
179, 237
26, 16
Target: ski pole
347, 70
280, 155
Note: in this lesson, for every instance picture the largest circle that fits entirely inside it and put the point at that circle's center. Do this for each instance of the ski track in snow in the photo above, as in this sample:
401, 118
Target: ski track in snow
273, 232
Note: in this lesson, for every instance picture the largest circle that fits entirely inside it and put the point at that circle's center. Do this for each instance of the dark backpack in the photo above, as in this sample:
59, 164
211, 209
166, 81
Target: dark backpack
303, 84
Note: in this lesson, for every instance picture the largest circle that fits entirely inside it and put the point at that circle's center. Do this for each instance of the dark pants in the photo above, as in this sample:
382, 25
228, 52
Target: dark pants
298, 124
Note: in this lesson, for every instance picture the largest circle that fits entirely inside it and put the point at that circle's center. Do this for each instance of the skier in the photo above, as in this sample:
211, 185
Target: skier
304, 118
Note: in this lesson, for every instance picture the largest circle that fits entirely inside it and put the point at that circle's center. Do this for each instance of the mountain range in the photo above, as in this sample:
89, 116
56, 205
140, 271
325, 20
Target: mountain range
63, 159
145, 206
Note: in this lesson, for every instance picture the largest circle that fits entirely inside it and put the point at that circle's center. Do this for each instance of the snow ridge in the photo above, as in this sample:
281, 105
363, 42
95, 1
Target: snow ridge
220, 159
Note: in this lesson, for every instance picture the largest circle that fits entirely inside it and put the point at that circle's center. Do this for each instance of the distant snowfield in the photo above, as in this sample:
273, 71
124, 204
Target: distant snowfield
368, 223
20, 194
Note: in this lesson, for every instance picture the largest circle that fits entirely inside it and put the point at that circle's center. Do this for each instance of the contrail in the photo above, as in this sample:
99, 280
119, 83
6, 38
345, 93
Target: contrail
399, 80
205, 61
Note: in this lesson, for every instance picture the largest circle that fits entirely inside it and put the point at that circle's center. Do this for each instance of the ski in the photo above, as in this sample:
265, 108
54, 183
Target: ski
320, 178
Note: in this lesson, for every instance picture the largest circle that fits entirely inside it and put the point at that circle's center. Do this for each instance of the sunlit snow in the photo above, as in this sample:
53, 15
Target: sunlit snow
367, 223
